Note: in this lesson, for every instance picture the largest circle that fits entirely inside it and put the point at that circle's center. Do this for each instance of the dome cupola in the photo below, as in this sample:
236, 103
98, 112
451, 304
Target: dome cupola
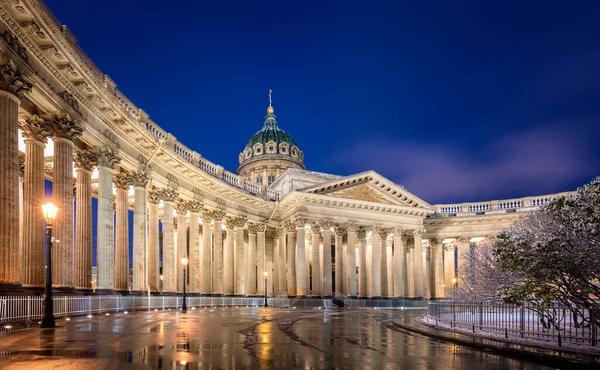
269, 152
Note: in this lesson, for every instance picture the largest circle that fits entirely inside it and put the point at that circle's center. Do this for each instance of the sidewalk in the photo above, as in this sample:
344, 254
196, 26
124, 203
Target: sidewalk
545, 356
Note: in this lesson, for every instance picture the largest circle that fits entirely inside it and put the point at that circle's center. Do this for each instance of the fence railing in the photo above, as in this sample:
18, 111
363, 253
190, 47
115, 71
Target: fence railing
554, 324
24, 308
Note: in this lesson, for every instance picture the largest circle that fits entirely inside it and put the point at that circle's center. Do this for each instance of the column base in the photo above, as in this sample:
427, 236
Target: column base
34, 290
84, 290
68, 290
10, 288
105, 291
375, 297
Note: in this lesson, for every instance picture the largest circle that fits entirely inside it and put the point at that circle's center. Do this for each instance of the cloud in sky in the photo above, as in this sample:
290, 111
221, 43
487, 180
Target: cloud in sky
533, 162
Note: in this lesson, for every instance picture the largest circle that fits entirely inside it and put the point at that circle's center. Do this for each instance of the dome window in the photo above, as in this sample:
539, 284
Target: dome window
271, 180
283, 150
259, 180
271, 149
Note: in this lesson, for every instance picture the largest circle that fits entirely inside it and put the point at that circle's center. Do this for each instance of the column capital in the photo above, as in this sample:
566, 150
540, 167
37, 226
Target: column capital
240, 221
383, 234
315, 228
153, 196
290, 226
11, 79
339, 230
399, 230
230, 223
280, 231
62, 126
122, 180
168, 194
464, 239
450, 247
300, 222
418, 232
139, 179
181, 208
389, 241
85, 160
207, 215
376, 229
107, 158
252, 228
218, 215
361, 233
435, 241
326, 224
194, 206
352, 227
35, 128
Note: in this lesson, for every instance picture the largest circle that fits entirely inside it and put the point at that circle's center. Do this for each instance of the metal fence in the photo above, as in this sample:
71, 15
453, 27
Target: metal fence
554, 324
28, 308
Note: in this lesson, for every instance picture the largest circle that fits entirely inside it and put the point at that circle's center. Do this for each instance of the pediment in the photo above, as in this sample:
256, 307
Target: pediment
361, 192
368, 186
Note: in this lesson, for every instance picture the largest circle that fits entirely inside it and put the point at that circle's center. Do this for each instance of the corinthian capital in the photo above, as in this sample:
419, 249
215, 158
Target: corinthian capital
240, 221
376, 229
153, 196
280, 231
399, 230
168, 194
218, 215
361, 233
300, 222
315, 228
122, 180
107, 158
11, 79
326, 225
35, 128
61, 125
139, 179
417, 232
230, 223
85, 160
181, 208
290, 226
339, 230
352, 227
194, 206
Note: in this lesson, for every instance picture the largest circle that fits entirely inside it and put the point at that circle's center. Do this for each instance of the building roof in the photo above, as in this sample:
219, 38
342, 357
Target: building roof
271, 132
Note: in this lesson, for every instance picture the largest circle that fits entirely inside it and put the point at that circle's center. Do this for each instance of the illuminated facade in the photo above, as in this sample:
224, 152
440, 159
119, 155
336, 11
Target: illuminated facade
61, 119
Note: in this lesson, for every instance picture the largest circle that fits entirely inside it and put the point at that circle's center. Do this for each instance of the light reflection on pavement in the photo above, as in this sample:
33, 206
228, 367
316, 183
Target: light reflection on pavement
240, 338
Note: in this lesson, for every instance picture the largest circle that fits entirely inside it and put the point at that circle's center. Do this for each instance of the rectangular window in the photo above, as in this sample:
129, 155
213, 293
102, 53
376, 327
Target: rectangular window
259, 180
271, 179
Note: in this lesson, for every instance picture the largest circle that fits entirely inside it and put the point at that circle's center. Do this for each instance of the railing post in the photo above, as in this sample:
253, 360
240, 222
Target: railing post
522, 323
594, 325
481, 316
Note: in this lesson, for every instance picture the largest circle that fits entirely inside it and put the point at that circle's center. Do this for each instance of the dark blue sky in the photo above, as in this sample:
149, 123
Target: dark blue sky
458, 101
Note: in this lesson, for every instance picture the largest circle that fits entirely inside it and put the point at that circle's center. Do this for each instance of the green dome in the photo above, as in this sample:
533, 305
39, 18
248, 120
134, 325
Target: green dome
271, 133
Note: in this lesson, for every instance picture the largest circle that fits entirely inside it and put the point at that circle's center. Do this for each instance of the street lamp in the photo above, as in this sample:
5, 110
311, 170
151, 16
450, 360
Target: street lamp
184, 262
50, 211
162, 278
265, 275
454, 281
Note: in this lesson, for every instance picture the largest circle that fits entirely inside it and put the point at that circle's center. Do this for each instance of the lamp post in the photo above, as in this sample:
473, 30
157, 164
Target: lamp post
50, 211
162, 278
266, 273
184, 262
454, 281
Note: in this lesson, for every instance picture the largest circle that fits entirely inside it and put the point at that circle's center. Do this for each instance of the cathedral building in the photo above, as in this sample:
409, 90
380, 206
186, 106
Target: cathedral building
314, 234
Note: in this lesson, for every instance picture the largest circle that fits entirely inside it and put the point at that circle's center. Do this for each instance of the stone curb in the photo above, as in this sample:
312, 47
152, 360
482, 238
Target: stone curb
545, 359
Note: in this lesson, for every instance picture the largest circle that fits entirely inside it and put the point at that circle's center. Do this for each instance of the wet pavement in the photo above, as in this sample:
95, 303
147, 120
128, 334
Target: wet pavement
240, 338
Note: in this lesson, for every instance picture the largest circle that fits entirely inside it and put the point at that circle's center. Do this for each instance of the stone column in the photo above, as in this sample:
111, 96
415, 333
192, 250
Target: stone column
228, 267
389, 243
437, 268
426, 272
181, 235
206, 253
11, 86
240, 257
383, 253
399, 263
122, 233
251, 260
291, 258
449, 269
410, 266
339, 259
300, 258
194, 207
316, 260
36, 135
418, 263
261, 263
218, 251
276, 259
105, 249
139, 180
281, 262
65, 131
362, 268
153, 241
168, 196
327, 273
377, 270
351, 270
84, 162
